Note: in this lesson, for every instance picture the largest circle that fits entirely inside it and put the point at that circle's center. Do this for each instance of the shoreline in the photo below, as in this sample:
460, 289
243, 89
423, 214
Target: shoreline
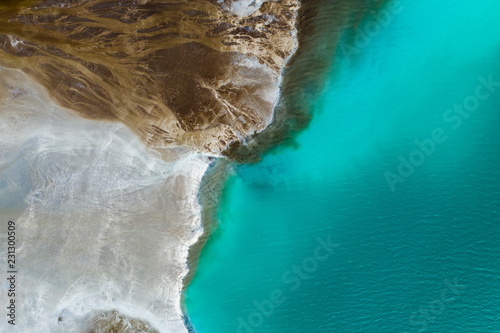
217, 173
210, 191
249, 150
212, 185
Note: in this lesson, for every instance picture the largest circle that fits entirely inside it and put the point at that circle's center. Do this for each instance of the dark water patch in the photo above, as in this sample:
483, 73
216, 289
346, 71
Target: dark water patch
320, 26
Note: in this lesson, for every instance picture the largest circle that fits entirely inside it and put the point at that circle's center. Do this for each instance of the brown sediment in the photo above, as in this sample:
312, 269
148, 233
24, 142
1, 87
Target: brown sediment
303, 81
176, 72
113, 322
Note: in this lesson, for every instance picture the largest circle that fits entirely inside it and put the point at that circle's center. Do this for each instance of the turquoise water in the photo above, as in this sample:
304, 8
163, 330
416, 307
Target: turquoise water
330, 236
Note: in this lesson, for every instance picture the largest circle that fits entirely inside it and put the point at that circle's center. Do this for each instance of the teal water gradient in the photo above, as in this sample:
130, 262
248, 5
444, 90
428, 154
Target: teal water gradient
424, 257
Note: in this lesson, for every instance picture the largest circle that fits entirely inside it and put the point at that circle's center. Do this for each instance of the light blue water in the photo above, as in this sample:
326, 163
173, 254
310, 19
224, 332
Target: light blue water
423, 255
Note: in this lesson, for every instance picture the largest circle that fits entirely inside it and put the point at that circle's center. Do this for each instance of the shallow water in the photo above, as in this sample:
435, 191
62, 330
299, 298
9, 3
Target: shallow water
408, 250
